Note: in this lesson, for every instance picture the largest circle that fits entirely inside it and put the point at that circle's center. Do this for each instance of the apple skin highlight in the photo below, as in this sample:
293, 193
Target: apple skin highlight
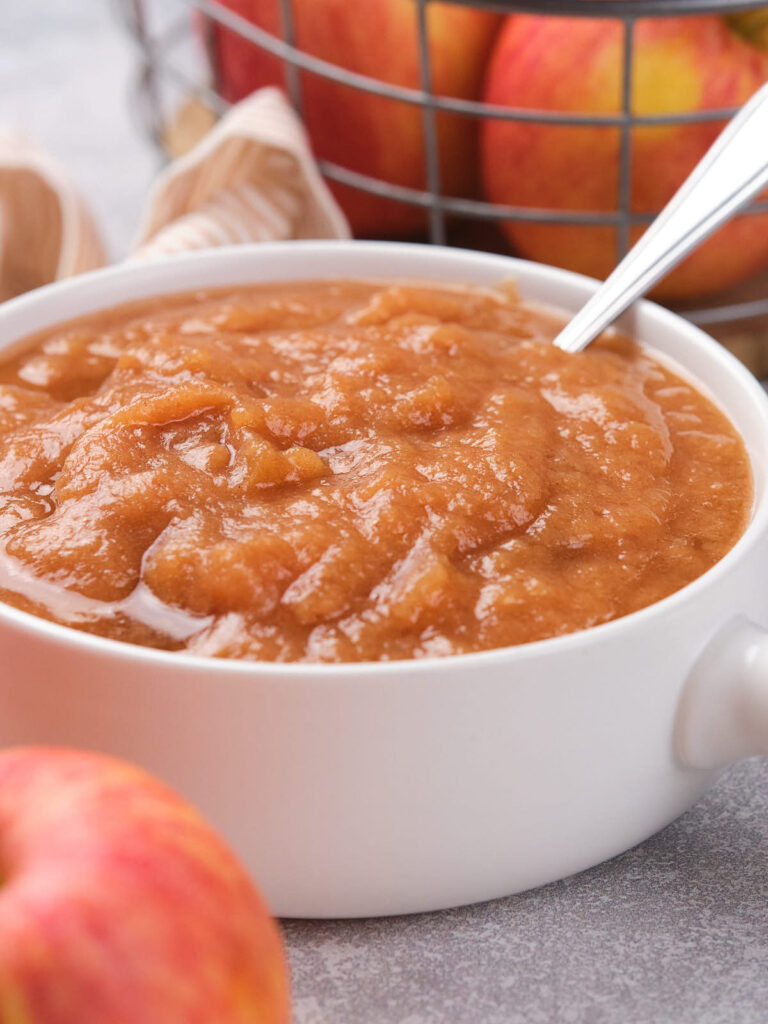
119, 903
373, 135
575, 65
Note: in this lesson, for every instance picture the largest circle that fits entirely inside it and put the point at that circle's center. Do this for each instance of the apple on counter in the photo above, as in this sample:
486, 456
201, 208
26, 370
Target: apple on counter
362, 132
575, 65
120, 905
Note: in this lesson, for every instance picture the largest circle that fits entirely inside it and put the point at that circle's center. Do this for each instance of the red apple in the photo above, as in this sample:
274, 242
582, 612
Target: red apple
575, 65
120, 905
365, 133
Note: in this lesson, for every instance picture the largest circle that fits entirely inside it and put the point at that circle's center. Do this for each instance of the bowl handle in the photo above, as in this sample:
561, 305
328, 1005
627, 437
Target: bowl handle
723, 712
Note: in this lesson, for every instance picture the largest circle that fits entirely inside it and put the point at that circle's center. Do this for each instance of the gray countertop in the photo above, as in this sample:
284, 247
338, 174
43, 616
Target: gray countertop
672, 932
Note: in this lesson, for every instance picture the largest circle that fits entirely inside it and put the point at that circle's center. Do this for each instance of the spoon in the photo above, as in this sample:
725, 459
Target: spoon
729, 174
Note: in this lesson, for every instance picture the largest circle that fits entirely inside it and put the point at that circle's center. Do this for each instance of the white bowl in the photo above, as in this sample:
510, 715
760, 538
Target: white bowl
364, 789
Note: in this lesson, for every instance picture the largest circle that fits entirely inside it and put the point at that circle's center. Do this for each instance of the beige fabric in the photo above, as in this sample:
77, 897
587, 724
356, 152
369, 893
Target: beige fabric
252, 178
46, 231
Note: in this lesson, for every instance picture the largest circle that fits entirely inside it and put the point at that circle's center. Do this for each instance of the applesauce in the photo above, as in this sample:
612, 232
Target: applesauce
344, 471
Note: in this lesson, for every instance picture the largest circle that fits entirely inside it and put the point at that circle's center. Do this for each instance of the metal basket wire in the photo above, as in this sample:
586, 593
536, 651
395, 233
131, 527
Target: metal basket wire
160, 66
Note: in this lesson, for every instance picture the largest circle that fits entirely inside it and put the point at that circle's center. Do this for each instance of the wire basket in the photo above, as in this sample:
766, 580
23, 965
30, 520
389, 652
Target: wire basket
167, 65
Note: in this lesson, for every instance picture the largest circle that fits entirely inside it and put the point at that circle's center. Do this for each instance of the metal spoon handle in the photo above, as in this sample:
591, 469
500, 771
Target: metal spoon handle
727, 177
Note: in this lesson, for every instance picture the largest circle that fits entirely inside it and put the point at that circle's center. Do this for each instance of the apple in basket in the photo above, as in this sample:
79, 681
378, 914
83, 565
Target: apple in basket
369, 134
119, 905
575, 65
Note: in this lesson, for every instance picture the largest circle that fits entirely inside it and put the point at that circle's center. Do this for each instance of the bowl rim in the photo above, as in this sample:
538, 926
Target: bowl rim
26, 622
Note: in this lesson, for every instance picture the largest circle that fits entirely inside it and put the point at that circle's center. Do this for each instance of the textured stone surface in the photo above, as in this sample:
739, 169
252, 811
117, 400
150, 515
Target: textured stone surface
673, 932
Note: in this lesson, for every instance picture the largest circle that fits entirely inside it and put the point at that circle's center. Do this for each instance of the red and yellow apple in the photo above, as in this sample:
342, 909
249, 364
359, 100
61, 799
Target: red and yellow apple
369, 134
575, 65
120, 905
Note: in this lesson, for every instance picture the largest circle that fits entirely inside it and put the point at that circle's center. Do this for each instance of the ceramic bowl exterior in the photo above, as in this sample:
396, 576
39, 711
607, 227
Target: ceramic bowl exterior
369, 789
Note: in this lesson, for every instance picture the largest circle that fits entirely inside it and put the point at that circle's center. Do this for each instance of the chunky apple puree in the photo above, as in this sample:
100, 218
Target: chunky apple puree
350, 471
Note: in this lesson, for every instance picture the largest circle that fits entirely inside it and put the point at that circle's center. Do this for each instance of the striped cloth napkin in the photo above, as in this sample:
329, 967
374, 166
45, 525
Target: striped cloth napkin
252, 178
46, 231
